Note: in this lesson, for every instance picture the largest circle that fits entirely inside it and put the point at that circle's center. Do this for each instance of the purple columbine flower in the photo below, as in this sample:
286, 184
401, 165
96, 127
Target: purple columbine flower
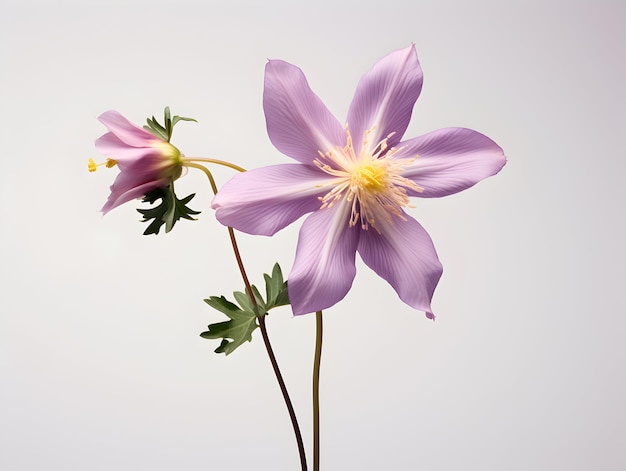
356, 180
145, 161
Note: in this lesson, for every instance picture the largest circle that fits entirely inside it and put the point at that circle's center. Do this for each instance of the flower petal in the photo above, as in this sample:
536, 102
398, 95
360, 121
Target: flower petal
450, 160
298, 123
128, 186
324, 267
403, 254
384, 98
126, 131
264, 200
111, 146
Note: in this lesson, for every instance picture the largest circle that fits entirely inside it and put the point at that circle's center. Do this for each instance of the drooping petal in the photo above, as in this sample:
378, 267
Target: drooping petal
126, 131
298, 123
450, 160
384, 98
128, 187
324, 267
264, 200
404, 255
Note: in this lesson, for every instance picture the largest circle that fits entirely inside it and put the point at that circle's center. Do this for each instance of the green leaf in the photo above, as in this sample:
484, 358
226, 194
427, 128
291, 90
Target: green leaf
222, 304
223, 347
283, 297
261, 307
238, 329
244, 301
275, 288
243, 316
168, 212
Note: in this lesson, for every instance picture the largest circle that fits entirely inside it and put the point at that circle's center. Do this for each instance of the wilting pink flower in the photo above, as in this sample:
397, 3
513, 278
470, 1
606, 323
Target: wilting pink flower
145, 161
356, 180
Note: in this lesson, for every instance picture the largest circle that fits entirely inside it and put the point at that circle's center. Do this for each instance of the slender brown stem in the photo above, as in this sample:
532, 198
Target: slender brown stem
316, 390
242, 270
261, 318
270, 353
283, 389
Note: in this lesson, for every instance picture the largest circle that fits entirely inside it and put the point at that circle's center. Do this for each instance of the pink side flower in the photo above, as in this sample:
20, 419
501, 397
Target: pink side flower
145, 161
356, 181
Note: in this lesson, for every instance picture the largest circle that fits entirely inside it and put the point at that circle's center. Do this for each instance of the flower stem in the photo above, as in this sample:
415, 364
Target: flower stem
188, 160
261, 319
283, 389
316, 390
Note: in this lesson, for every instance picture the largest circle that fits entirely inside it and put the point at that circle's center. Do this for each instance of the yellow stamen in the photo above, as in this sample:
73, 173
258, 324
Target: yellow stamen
371, 181
92, 166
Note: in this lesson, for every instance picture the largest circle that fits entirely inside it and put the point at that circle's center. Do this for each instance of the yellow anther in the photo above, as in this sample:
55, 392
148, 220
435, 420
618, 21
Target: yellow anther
92, 166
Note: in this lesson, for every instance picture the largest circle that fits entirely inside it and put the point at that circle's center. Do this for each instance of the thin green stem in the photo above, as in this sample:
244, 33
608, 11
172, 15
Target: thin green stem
316, 390
207, 173
188, 160
261, 319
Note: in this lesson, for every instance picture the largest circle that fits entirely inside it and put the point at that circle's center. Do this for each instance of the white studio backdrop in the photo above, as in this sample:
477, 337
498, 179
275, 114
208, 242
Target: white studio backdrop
101, 363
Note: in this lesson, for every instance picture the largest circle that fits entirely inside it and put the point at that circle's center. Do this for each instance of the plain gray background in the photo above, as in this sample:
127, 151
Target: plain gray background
101, 363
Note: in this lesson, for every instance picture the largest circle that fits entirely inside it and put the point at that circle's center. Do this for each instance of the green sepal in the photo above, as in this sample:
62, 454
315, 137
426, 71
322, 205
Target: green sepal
168, 212
165, 131
243, 316
155, 128
176, 119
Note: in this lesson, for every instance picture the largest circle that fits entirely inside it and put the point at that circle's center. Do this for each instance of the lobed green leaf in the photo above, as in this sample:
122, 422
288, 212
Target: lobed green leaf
243, 316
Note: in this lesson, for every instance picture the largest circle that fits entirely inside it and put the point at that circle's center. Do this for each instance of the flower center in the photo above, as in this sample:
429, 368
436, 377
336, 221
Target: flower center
370, 176
370, 179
